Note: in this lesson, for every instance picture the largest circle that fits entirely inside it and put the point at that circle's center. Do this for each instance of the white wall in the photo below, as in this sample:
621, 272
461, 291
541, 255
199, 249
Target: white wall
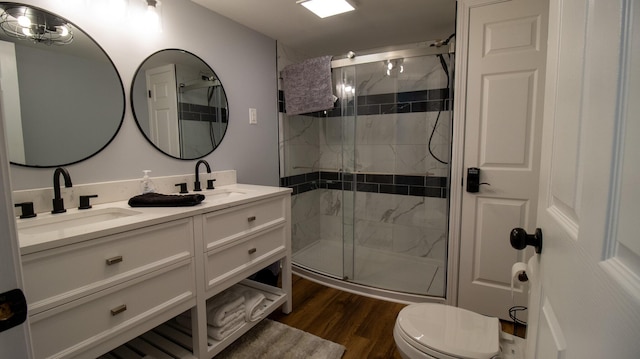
244, 60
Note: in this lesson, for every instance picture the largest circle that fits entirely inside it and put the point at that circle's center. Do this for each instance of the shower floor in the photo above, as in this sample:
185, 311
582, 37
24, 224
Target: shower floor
376, 268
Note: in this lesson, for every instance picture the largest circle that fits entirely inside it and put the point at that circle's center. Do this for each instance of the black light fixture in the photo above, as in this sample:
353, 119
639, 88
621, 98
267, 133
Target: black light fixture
25, 23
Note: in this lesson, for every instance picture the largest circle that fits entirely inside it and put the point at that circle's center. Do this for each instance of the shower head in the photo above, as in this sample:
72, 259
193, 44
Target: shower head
439, 43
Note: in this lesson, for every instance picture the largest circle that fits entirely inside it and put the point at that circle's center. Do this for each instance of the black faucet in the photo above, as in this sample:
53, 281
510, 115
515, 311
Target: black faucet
58, 202
196, 184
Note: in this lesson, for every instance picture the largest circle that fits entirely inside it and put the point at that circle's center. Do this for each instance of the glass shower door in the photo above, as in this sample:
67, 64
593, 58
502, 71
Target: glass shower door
370, 177
396, 152
346, 91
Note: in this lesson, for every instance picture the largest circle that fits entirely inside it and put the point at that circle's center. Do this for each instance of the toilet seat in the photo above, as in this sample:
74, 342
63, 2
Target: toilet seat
438, 329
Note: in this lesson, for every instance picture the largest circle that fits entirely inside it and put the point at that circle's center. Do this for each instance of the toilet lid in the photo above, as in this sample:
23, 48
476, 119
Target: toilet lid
450, 330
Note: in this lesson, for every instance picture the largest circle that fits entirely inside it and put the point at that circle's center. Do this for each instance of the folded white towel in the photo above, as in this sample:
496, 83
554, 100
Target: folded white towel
219, 333
254, 303
219, 317
231, 294
225, 307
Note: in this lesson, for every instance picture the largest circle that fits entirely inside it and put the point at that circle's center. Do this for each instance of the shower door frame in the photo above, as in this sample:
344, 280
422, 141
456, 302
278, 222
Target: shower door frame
451, 265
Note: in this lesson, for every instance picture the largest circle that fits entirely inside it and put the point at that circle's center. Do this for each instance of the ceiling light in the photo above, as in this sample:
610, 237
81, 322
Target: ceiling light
325, 8
41, 27
24, 21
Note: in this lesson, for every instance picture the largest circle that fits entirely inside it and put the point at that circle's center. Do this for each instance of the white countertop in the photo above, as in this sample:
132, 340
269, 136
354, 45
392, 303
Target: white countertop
147, 216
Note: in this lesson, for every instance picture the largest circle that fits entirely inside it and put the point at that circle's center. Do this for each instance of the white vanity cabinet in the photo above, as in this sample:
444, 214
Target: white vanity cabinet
238, 242
238, 239
87, 297
121, 292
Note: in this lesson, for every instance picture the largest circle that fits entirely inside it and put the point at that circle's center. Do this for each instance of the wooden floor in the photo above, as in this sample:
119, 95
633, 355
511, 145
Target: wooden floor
363, 325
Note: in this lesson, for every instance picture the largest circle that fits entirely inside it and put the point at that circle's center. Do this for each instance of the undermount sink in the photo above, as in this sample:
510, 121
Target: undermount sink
221, 193
56, 222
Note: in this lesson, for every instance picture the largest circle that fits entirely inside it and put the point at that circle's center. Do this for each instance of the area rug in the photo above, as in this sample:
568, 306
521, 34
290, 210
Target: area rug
274, 340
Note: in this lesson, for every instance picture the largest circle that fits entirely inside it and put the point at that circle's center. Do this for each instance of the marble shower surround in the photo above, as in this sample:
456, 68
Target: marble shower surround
388, 137
402, 224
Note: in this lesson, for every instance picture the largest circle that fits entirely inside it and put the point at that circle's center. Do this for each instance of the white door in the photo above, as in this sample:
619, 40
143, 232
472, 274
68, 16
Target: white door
504, 46
11, 96
163, 109
15, 341
587, 303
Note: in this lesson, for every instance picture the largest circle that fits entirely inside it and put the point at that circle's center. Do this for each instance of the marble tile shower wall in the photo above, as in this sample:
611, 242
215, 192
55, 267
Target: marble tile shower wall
400, 200
195, 112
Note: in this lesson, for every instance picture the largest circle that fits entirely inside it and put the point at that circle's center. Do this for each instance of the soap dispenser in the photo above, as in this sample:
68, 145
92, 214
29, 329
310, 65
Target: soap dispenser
146, 185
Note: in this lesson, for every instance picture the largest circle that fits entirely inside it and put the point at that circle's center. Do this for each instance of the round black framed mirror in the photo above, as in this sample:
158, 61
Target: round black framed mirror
64, 99
179, 104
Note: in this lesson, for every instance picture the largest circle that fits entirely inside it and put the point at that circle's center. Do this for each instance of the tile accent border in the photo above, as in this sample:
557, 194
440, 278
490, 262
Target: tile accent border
407, 185
193, 112
401, 102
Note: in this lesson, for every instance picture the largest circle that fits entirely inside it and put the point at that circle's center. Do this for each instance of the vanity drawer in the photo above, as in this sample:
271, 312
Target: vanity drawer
66, 273
222, 227
225, 262
80, 325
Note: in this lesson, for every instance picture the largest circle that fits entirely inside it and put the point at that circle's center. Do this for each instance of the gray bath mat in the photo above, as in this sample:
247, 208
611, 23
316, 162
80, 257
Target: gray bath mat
274, 340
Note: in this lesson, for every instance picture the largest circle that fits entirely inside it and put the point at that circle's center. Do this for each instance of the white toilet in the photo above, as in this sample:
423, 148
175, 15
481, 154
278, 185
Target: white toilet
438, 331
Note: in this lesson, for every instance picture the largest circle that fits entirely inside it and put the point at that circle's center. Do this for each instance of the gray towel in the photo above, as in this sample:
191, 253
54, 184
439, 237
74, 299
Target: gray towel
307, 86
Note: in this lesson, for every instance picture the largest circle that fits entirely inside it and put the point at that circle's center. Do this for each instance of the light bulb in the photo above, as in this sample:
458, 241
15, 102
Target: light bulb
27, 31
64, 31
24, 21
389, 65
152, 19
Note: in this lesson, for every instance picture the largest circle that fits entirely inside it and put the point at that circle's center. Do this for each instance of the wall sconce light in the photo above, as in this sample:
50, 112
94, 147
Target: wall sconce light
147, 20
41, 27
326, 8
152, 15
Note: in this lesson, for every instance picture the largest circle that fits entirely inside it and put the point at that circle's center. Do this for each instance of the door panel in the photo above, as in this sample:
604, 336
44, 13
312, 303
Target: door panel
11, 95
506, 54
506, 213
163, 109
14, 342
506, 132
586, 303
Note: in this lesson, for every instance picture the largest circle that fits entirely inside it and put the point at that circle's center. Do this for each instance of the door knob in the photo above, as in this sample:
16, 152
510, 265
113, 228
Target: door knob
520, 239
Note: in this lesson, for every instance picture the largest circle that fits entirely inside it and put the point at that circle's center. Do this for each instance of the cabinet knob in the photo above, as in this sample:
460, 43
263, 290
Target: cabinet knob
114, 260
251, 219
252, 250
119, 309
